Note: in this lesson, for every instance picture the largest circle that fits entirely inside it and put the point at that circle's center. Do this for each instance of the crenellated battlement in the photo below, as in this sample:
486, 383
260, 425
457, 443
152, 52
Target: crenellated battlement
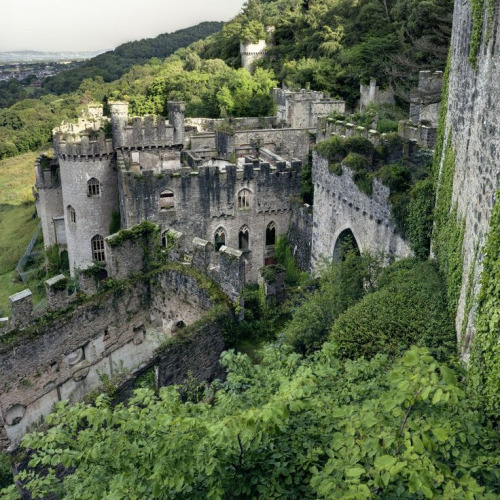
135, 132
328, 127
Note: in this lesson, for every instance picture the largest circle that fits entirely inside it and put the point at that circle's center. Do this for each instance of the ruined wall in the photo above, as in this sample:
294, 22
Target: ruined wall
340, 205
289, 142
66, 355
371, 94
207, 200
198, 357
300, 234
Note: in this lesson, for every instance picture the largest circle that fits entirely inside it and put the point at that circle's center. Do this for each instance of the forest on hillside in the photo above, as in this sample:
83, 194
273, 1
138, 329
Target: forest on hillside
331, 45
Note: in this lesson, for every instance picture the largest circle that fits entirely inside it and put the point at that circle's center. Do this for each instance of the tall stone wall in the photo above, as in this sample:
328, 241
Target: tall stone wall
473, 120
300, 234
339, 205
111, 334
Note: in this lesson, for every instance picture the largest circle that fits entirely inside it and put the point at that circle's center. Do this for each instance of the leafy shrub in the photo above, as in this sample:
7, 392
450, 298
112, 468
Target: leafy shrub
364, 181
342, 284
355, 161
357, 144
283, 254
286, 428
5, 471
385, 126
395, 176
333, 149
410, 307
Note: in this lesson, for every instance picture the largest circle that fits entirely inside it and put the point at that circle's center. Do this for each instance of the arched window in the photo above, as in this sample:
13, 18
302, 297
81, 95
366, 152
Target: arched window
93, 187
220, 238
166, 200
71, 214
271, 234
98, 248
164, 239
243, 238
244, 197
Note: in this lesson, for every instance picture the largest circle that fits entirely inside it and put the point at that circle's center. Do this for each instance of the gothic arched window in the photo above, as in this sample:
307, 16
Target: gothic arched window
71, 214
93, 187
219, 238
243, 238
98, 248
271, 234
244, 197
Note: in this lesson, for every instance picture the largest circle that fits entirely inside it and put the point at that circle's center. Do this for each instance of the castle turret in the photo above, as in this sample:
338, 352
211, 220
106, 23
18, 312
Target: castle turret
176, 115
251, 52
119, 119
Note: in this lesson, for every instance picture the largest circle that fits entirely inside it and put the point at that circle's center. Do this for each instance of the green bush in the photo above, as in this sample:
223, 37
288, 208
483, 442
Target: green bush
385, 126
364, 181
409, 308
333, 149
361, 145
355, 161
283, 254
342, 284
5, 471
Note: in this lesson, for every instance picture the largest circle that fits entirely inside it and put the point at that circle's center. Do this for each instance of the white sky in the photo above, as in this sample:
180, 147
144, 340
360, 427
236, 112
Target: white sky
56, 25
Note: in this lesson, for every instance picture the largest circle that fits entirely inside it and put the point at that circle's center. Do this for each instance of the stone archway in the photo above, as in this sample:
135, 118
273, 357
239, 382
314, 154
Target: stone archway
345, 242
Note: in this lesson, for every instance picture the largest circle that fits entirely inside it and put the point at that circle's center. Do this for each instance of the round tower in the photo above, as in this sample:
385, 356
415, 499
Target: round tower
119, 119
89, 186
176, 118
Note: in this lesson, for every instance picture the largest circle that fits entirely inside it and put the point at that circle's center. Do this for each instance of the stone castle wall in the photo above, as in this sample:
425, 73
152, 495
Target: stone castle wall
340, 205
112, 334
473, 120
207, 200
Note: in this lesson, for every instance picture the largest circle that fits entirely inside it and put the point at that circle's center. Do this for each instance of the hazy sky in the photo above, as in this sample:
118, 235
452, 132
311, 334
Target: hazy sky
56, 25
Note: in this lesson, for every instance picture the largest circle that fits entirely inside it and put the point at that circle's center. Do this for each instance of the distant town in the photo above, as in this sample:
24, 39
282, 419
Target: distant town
36, 66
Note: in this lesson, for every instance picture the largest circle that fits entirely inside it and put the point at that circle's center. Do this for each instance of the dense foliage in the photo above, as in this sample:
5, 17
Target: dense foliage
113, 64
484, 372
334, 44
408, 308
341, 285
285, 428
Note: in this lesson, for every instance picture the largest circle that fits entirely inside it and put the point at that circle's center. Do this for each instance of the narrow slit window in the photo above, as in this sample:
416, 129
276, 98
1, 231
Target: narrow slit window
71, 214
243, 238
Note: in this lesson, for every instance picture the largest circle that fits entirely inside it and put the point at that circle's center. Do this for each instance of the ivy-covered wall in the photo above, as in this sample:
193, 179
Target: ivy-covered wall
466, 173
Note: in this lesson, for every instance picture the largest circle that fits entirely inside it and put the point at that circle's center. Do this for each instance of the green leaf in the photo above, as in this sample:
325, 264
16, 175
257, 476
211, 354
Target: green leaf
354, 472
385, 462
437, 396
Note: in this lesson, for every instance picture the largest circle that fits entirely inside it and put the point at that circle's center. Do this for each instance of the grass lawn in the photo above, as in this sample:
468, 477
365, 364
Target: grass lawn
17, 224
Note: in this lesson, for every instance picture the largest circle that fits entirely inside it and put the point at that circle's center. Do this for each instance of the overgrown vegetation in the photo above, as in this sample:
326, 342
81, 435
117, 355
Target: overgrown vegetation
408, 308
484, 368
281, 429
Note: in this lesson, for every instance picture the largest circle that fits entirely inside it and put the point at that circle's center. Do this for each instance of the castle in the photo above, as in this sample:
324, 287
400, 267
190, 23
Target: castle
206, 201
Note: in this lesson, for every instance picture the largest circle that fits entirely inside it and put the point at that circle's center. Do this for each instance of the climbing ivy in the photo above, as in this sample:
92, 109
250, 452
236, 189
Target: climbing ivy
484, 371
448, 229
477, 7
